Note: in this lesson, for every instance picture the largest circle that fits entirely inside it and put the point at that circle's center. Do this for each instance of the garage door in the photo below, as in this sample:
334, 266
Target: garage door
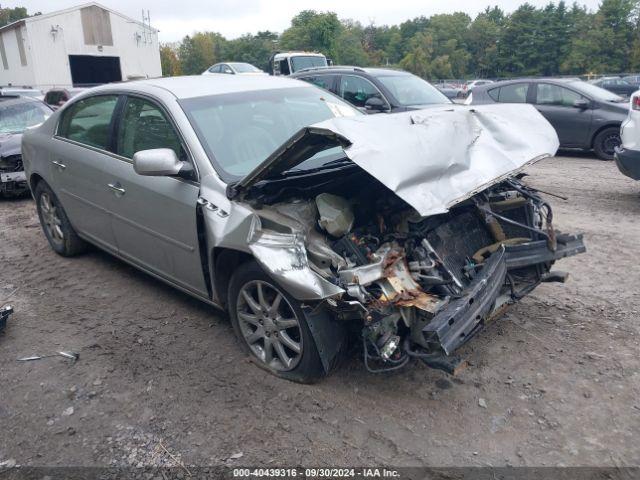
88, 70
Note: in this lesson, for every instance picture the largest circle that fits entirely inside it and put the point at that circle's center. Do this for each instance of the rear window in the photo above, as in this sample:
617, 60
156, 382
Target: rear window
322, 81
516, 93
88, 121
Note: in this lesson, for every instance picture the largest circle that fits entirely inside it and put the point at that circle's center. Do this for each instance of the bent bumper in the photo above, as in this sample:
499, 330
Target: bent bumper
463, 317
628, 162
13, 182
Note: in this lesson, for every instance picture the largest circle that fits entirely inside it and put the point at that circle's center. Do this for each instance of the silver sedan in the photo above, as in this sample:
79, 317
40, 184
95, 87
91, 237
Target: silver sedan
304, 219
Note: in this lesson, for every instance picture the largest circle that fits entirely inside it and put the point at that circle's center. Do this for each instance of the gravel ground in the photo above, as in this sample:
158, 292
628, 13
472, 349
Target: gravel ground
161, 380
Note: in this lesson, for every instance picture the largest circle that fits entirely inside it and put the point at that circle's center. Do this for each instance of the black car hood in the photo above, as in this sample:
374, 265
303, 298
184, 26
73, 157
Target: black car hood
10, 144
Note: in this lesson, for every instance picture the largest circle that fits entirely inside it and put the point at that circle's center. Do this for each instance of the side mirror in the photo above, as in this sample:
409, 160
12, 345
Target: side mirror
375, 104
581, 104
157, 162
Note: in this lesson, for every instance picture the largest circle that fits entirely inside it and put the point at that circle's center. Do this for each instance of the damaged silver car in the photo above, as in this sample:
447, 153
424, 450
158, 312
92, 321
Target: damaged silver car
313, 225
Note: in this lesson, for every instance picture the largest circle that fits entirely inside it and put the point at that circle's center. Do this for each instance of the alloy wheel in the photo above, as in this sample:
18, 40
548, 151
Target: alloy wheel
269, 325
51, 219
610, 142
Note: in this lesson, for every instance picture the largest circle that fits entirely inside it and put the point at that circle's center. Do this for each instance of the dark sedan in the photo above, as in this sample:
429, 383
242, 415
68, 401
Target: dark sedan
616, 85
16, 115
375, 90
585, 116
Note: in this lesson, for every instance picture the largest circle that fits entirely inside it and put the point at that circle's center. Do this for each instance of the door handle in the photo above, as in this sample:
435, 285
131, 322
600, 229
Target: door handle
59, 164
117, 188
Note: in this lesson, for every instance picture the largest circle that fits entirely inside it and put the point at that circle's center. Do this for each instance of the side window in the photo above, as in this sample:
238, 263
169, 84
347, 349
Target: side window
494, 93
284, 67
226, 69
215, 69
322, 81
516, 93
54, 97
555, 95
356, 90
144, 126
88, 121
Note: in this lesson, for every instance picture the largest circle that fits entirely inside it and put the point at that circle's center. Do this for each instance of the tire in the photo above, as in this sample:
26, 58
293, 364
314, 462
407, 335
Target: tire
259, 330
605, 142
56, 226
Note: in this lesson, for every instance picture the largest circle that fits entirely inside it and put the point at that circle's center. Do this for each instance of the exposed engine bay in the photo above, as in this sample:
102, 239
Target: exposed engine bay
418, 286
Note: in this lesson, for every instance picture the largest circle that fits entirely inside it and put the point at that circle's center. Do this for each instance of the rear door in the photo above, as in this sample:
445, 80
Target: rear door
572, 124
80, 166
154, 218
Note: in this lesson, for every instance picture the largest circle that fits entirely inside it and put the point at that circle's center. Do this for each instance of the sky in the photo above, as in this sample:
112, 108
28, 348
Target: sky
178, 18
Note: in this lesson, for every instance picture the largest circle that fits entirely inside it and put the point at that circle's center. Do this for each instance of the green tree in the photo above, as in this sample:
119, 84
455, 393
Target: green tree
200, 51
312, 31
10, 15
169, 61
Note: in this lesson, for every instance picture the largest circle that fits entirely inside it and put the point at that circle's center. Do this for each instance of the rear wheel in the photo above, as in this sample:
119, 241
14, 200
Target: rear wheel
271, 326
61, 236
605, 143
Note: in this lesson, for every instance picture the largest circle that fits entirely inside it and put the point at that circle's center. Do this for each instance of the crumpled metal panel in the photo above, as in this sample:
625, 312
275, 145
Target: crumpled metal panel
284, 257
437, 157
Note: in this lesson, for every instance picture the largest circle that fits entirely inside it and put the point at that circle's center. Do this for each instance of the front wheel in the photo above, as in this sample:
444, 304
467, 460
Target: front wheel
271, 326
605, 143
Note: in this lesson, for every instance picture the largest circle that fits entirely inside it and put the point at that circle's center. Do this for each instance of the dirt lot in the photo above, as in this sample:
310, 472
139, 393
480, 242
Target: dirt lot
558, 375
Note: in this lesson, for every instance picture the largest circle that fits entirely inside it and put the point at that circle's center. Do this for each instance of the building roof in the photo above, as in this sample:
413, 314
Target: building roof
44, 16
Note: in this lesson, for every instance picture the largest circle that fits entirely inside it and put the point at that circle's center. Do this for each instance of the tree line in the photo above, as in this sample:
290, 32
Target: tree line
556, 39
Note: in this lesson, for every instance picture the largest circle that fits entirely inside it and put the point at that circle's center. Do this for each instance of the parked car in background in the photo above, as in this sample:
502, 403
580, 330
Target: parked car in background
615, 85
233, 68
56, 97
628, 153
302, 217
633, 80
22, 91
375, 90
286, 63
584, 115
470, 85
17, 113
450, 90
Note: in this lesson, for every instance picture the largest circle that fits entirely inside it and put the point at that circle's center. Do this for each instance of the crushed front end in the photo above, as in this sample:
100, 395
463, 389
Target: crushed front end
427, 285
415, 286
12, 177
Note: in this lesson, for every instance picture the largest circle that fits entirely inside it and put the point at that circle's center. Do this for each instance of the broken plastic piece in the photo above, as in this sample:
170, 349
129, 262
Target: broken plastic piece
71, 355
336, 215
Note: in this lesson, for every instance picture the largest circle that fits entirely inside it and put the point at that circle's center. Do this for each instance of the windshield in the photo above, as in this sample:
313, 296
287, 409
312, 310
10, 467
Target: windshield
244, 68
311, 61
410, 90
596, 92
240, 130
18, 115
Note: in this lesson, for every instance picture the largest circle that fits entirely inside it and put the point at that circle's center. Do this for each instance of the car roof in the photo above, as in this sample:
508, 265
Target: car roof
374, 72
204, 85
564, 81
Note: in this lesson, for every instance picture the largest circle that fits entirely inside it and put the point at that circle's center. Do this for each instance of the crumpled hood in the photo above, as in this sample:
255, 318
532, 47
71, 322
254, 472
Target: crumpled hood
10, 144
432, 158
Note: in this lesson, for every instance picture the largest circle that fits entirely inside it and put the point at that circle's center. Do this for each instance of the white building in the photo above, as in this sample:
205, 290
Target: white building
83, 45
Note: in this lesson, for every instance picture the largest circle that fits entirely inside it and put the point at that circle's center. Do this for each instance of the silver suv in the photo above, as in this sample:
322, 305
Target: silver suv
310, 223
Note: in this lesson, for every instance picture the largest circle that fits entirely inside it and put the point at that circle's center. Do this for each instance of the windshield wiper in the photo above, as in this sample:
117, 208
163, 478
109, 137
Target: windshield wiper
333, 163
